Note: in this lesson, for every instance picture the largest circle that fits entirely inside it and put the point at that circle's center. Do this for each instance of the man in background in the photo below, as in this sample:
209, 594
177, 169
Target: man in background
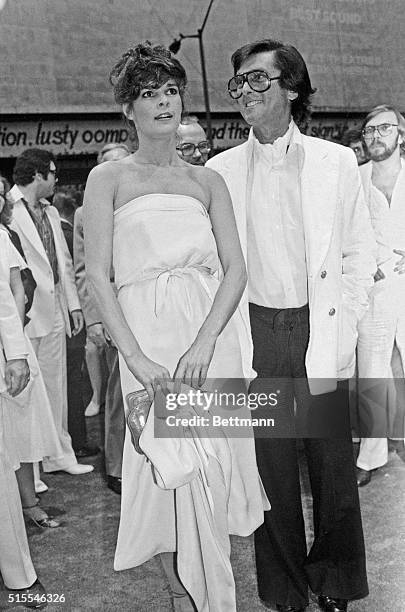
113, 152
192, 144
353, 139
99, 343
382, 330
66, 206
38, 226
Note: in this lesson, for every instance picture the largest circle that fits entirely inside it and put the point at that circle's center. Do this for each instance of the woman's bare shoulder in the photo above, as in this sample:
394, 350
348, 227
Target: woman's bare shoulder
112, 170
208, 178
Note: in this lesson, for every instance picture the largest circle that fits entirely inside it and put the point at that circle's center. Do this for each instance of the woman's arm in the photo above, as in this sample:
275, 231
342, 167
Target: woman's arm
194, 364
98, 239
17, 289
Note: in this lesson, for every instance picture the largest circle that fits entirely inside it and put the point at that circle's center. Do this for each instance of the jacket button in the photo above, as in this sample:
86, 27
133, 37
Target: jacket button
323, 274
332, 311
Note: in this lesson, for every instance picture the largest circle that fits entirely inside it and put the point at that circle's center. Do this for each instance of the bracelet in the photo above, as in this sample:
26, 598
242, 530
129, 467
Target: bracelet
96, 323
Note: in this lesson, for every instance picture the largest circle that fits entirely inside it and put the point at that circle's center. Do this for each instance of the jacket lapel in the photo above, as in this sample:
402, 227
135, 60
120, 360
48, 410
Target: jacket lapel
319, 193
25, 226
56, 228
235, 173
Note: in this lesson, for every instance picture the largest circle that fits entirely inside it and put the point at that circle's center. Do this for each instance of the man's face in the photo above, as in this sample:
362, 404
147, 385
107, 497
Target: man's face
192, 134
49, 183
267, 109
358, 147
380, 147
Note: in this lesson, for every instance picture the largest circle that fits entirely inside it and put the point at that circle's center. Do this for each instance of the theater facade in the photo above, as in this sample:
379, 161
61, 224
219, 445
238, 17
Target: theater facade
56, 56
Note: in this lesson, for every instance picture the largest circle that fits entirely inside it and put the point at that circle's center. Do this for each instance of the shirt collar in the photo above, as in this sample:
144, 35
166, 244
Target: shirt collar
276, 151
66, 221
18, 195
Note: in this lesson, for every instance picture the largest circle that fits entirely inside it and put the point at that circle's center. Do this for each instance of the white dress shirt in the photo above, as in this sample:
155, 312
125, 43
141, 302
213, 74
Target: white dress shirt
388, 220
276, 244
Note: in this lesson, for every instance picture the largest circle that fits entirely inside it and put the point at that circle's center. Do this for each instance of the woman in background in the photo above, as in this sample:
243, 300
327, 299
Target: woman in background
29, 429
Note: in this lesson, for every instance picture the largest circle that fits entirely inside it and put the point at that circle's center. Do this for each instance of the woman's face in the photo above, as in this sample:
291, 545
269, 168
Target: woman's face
157, 110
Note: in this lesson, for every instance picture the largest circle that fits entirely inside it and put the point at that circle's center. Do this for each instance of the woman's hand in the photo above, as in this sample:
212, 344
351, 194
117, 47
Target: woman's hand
149, 374
400, 264
193, 366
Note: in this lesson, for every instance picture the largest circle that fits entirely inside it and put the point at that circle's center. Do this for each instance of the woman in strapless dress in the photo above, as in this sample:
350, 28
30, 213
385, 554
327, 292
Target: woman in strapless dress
169, 232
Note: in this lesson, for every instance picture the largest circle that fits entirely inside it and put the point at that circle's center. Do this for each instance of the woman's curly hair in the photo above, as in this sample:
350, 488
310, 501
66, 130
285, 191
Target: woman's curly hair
142, 66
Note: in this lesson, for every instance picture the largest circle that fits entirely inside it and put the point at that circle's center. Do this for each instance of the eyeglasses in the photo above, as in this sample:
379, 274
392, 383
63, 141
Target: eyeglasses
53, 172
258, 80
384, 129
188, 148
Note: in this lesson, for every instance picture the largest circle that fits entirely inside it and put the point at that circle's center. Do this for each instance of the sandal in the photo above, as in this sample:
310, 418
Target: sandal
40, 518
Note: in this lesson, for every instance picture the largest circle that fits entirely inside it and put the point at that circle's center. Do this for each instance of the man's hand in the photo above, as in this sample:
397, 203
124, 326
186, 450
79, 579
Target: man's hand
17, 375
97, 334
400, 264
78, 321
379, 275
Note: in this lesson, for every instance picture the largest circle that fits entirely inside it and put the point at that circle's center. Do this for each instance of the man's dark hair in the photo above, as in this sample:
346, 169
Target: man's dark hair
30, 162
351, 136
65, 203
293, 72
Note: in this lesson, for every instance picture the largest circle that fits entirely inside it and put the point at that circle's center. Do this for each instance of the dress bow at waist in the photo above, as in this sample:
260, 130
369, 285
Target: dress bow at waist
162, 278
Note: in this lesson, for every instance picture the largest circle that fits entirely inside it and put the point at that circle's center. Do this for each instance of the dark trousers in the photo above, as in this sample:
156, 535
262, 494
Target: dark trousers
335, 564
74, 362
114, 416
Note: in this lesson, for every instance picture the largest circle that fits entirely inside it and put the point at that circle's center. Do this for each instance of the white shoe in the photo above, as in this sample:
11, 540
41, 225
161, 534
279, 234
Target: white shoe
92, 409
78, 468
40, 486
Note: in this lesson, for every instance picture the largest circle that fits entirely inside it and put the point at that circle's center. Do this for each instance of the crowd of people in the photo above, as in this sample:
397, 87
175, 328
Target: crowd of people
277, 260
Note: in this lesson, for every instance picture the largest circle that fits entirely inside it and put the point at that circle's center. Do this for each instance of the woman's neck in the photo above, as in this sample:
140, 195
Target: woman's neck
157, 152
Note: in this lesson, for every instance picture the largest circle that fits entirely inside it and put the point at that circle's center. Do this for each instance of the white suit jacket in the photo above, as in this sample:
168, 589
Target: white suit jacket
42, 313
340, 249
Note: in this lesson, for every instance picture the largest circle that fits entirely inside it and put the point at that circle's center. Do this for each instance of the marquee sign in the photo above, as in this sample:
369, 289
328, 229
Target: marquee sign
88, 136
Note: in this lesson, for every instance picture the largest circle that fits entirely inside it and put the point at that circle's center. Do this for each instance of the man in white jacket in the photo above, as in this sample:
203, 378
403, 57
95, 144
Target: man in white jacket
38, 226
382, 330
308, 244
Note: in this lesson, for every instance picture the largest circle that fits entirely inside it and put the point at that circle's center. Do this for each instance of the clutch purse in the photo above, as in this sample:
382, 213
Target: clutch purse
139, 404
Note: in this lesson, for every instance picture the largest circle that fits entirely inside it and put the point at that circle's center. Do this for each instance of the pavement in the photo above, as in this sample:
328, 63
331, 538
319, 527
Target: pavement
76, 560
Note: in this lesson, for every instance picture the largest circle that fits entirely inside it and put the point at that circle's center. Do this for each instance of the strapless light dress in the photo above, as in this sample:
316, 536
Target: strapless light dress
166, 271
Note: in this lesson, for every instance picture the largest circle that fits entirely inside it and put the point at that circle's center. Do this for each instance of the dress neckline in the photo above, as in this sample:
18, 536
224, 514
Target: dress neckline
165, 195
